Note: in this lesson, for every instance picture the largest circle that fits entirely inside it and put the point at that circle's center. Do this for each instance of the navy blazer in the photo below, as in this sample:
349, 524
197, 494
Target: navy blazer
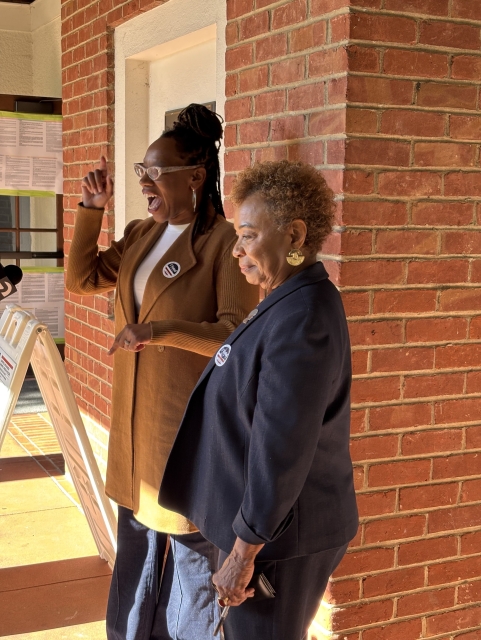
262, 452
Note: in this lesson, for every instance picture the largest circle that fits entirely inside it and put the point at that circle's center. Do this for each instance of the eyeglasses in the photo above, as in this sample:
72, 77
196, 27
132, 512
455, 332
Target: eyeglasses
154, 173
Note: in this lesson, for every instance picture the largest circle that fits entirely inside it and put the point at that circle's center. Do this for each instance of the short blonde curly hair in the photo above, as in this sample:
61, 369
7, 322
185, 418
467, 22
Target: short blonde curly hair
292, 191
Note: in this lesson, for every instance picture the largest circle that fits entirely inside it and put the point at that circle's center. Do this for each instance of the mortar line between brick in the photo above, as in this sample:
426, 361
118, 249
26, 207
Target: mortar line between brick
413, 48
407, 139
386, 624
411, 256
411, 226
414, 79
433, 455
287, 30
411, 400
390, 544
414, 16
415, 315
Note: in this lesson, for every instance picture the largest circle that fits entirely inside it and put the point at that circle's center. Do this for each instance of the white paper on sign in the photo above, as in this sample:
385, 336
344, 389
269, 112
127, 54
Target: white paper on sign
7, 368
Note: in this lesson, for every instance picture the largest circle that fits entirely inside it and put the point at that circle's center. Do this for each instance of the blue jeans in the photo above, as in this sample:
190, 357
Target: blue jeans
187, 608
142, 607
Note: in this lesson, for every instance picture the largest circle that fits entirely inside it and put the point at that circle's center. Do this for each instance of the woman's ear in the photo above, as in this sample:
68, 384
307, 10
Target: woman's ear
298, 233
197, 178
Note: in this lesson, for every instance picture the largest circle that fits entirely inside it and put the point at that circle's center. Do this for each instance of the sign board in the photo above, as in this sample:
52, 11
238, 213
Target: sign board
31, 162
24, 340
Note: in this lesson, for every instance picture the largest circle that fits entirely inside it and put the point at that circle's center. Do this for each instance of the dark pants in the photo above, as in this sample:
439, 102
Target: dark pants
299, 584
140, 606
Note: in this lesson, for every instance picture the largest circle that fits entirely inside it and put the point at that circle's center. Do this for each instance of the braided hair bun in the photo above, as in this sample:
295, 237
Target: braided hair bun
201, 122
197, 133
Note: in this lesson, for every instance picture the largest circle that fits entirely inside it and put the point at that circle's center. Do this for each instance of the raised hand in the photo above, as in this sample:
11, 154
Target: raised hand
97, 187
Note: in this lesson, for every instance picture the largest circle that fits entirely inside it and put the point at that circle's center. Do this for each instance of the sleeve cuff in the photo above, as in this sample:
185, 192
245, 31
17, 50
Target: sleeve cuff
244, 532
249, 535
92, 209
160, 329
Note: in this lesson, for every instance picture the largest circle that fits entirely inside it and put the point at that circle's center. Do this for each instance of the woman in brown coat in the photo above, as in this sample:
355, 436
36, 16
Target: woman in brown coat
179, 295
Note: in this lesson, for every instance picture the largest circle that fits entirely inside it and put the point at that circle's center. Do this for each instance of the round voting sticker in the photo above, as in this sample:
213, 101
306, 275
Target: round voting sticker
222, 355
171, 269
251, 315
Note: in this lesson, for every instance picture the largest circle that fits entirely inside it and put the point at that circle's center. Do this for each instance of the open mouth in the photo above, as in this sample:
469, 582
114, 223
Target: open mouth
154, 201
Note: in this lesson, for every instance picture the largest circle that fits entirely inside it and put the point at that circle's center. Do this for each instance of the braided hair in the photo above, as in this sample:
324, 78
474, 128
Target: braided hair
197, 133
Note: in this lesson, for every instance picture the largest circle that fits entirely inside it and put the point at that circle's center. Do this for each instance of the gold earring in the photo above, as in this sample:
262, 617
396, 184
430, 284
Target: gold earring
194, 199
295, 257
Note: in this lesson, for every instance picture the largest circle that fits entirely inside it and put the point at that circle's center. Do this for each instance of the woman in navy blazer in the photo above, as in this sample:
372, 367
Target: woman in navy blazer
261, 462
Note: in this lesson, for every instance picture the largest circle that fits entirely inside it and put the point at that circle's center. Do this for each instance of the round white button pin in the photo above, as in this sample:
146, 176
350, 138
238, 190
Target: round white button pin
222, 355
171, 269
251, 315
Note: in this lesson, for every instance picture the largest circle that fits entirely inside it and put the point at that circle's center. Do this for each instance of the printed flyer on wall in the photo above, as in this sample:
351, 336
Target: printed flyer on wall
31, 162
41, 292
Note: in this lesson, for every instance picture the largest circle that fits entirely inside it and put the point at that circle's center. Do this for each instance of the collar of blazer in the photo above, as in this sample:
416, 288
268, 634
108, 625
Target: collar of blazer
182, 252
314, 273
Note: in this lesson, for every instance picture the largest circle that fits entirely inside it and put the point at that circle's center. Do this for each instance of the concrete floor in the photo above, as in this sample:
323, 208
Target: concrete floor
53, 585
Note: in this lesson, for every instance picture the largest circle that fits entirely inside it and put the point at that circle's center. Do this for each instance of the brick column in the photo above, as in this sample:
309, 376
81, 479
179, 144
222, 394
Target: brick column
410, 278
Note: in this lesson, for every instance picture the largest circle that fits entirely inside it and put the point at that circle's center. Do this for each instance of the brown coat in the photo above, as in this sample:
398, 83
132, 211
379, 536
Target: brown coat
191, 314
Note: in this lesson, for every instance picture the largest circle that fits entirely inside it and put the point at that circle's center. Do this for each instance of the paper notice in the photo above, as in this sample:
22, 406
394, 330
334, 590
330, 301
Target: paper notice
13, 298
49, 316
44, 173
54, 137
7, 368
17, 172
8, 132
31, 133
55, 287
31, 146
34, 288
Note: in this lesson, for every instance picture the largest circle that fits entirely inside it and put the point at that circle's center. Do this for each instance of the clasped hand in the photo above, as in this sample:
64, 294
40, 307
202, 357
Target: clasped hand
133, 337
232, 579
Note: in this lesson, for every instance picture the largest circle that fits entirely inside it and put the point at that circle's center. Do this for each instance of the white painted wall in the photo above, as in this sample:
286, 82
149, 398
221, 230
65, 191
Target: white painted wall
164, 59
177, 80
14, 17
30, 49
154, 87
46, 44
16, 68
136, 136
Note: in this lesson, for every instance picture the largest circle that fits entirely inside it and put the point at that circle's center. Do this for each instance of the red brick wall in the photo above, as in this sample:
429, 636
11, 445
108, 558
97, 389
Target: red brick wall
410, 279
403, 157
88, 109
286, 67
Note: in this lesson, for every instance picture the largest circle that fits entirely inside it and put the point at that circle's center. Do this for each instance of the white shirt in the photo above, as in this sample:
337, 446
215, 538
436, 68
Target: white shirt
166, 240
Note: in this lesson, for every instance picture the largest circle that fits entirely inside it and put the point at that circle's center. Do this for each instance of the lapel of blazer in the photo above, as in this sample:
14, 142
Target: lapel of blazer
315, 273
131, 260
182, 253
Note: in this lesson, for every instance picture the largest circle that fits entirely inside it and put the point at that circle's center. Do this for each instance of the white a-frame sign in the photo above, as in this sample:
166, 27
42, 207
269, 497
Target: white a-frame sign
24, 340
